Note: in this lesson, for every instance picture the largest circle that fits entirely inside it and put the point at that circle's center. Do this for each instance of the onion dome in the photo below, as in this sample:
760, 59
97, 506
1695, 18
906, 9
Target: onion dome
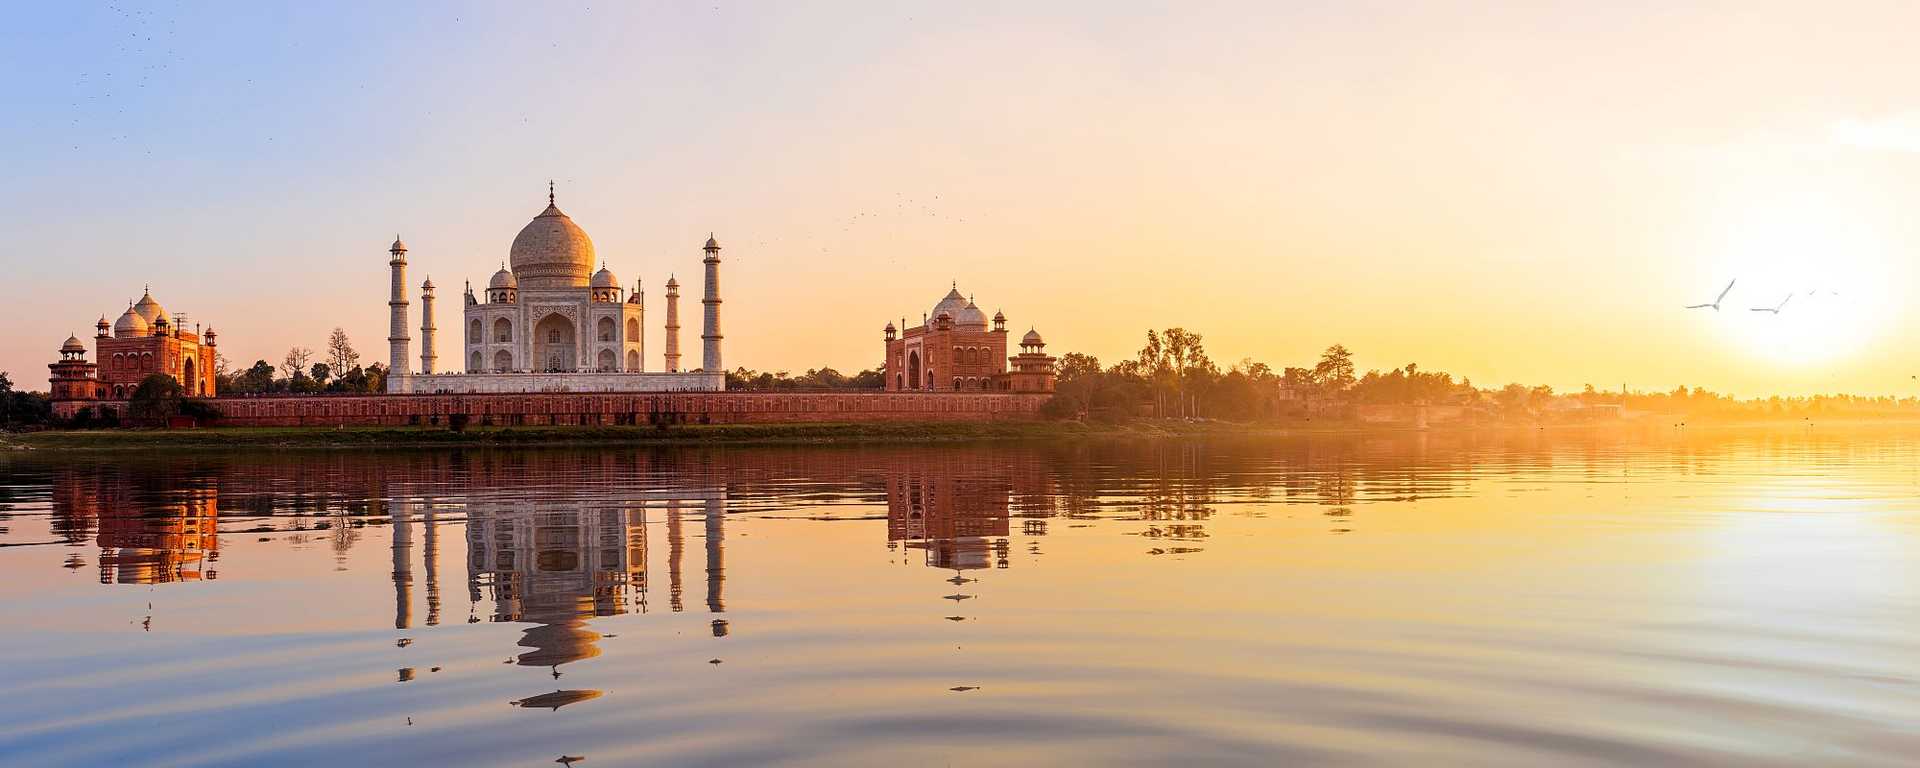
398, 247
604, 278
149, 310
131, 324
712, 244
971, 317
1032, 339
73, 344
552, 252
503, 279
951, 304
103, 325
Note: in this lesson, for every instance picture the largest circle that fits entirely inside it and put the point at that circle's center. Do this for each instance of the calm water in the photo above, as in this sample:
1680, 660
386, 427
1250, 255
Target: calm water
1716, 598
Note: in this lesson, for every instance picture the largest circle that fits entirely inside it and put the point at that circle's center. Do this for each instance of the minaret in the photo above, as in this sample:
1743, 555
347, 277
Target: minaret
710, 332
426, 327
673, 325
397, 341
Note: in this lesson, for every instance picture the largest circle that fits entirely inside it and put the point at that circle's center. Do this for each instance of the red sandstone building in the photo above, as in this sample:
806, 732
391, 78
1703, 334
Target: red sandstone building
143, 342
954, 351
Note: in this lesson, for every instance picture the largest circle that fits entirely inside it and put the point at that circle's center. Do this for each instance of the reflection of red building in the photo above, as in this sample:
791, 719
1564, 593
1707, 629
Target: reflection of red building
171, 542
959, 519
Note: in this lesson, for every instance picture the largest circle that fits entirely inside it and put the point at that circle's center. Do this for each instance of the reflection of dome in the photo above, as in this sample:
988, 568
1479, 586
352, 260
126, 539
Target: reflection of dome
605, 279
131, 324
503, 279
552, 252
73, 344
952, 304
1032, 339
149, 309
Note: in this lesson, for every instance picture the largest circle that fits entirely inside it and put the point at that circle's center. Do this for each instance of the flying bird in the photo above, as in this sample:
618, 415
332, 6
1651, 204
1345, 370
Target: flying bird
1715, 306
1775, 310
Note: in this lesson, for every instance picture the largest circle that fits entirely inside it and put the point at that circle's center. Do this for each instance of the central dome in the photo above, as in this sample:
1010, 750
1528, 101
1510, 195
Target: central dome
552, 252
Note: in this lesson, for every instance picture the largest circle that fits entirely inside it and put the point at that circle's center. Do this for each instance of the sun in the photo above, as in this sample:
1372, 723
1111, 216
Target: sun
1823, 268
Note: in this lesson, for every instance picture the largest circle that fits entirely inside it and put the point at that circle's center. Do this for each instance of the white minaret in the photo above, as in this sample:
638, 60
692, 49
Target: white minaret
397, 340
673, 325
426, 327
710, 332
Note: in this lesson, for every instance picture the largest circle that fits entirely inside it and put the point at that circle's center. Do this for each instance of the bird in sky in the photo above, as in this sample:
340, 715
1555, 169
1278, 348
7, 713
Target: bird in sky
1775, 310
1715, 306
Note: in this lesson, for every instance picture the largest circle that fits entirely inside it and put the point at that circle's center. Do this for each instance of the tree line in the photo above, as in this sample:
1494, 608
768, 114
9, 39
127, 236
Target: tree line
299, 373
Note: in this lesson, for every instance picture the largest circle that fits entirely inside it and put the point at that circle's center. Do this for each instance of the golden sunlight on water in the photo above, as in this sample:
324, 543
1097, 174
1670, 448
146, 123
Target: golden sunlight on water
1514, 598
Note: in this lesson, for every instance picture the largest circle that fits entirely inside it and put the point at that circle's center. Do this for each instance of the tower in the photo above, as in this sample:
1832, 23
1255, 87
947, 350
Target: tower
710, 332
397, 340
426, 327
673, 325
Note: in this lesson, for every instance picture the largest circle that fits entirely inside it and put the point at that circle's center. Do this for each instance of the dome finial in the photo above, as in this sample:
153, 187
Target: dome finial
550, 192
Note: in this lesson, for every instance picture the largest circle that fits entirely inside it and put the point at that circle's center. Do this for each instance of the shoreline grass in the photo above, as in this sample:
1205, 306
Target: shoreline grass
834, 433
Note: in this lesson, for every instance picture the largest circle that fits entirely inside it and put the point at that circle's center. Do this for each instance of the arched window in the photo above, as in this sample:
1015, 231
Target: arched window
633, 330
119, 362
473, 333
502, 360
606, 358
146, 361
633, 356
956, 383
606, 330
984, 384
899, 380
959, 355
474, 364
502, 330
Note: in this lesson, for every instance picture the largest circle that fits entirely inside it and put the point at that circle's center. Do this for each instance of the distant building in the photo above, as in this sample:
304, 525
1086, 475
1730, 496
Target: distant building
954, 350
548, 322
143, 342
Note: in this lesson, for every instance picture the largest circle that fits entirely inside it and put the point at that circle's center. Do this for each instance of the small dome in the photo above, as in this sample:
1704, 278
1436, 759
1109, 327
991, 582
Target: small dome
398, 247
970, 316
503, 279
999, 317
951, 304
890, 328
428, 285
149, 310
131, 324
552, 252
1032, 339
73, 344
712, 243
672, 283
604, 279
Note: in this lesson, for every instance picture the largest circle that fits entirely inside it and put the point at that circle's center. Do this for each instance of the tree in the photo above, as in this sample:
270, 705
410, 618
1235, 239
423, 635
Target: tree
1334, 372
21, 409
157, 397
340, 353
321, 373
258, 378
1074, 366
296, 361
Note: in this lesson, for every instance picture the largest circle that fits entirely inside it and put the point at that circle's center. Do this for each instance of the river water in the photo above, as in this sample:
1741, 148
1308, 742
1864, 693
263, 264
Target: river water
1744, 597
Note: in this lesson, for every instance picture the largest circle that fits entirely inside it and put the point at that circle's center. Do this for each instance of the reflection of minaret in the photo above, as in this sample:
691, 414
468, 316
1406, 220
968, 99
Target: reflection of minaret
402, 570
716, 554
432, 563
676, 544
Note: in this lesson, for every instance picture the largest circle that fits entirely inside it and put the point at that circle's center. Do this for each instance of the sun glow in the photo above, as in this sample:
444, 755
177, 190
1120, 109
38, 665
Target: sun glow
1825, 269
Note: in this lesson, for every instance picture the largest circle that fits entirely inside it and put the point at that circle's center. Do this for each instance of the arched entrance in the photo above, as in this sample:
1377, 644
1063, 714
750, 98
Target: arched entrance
502, 361
193, 382
913, 367
474, 365
607, 360
553, 344
633, 359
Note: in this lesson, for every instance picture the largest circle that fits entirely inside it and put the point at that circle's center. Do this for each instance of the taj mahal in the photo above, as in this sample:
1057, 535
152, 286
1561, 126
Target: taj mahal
549, 322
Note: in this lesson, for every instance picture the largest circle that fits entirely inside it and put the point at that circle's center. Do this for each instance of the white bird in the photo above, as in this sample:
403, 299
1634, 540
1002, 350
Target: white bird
1715, 306
1775, 310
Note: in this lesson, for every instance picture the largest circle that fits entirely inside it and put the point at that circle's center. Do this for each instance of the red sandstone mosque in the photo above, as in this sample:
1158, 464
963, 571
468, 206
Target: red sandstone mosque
553, 327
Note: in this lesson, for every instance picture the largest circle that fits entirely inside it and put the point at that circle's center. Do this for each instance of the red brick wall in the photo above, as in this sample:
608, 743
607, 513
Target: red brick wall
617, 408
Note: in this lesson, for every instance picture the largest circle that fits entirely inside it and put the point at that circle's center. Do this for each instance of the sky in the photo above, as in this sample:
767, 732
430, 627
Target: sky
1523, 191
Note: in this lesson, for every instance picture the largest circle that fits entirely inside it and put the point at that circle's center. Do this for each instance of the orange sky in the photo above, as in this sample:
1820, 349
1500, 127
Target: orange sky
1519, 193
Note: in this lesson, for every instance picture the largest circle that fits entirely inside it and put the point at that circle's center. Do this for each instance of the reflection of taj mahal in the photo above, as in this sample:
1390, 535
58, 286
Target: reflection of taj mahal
550, 323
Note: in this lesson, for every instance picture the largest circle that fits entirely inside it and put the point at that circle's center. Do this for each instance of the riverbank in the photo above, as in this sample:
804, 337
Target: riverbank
423, 437
276, 438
